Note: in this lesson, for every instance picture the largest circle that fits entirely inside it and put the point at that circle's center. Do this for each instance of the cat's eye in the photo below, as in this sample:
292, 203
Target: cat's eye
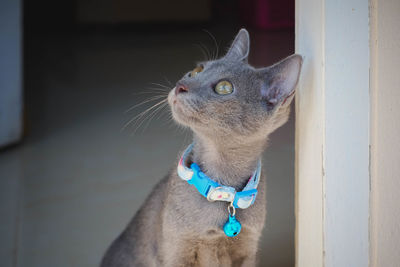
196, 71
223, 88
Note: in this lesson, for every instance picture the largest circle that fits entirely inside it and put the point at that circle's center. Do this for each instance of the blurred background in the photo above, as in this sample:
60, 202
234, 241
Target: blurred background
73, 170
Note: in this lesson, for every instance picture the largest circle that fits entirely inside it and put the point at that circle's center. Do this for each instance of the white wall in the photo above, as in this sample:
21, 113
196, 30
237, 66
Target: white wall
309, 134
346, 149
385, 131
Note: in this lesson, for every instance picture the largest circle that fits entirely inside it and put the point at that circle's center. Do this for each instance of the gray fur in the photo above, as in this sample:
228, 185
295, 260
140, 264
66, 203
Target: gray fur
179, 227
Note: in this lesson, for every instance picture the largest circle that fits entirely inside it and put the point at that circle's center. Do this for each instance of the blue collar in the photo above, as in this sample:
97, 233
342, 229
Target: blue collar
214, 191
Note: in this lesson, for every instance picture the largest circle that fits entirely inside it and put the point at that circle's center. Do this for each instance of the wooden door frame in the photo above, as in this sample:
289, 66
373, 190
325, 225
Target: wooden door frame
332, 133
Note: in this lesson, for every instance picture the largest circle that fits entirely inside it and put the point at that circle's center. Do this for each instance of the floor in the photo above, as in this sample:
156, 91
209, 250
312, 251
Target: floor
78, 177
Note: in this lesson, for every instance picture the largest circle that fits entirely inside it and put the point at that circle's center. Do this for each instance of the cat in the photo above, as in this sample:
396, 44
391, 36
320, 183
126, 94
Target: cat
231, 109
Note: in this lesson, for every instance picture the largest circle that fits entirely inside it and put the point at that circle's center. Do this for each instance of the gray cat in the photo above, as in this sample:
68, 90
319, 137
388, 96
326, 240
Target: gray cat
231, 108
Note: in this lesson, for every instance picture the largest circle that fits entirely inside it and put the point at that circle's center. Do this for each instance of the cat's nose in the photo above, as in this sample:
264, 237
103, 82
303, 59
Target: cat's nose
180, 88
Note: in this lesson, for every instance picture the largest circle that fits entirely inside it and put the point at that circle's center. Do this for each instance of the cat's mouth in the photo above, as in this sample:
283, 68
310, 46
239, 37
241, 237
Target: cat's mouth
181, 112
172, 98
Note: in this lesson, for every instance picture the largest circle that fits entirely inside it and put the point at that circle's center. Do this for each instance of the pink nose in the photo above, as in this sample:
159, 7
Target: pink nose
180, 88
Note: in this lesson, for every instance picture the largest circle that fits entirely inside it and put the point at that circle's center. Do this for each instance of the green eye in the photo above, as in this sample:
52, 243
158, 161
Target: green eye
223, 88
196, 70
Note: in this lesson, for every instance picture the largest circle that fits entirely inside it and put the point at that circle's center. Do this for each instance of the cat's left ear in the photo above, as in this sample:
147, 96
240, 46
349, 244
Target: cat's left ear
280, 80
239, 50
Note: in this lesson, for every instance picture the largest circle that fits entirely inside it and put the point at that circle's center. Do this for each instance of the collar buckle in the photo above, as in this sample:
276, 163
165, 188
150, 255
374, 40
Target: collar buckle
221, 193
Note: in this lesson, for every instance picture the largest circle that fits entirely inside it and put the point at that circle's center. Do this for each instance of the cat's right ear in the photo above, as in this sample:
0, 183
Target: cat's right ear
280, 81
239, 50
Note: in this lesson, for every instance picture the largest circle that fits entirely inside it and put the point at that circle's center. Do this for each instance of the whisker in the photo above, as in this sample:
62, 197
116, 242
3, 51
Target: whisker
169, 82
147, 117
152, 90
165, 108
153, 115
162, 85
202, 51
215, 42
145, 101
140, 115
152, 93
207, 51
165, 90
169, 119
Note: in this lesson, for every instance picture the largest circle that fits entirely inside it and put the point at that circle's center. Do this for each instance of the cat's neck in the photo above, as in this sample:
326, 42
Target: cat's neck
228, 163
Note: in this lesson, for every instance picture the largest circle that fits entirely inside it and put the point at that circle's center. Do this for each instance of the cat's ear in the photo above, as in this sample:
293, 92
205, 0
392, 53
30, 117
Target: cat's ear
280, 81
239, 50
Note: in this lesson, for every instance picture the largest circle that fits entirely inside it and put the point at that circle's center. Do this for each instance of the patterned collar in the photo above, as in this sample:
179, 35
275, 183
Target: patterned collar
212, 190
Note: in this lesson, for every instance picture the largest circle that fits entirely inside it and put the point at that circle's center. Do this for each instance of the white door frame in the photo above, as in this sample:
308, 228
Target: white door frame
332, 134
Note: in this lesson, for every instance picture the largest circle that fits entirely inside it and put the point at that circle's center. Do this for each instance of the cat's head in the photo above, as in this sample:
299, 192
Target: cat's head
228, 98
